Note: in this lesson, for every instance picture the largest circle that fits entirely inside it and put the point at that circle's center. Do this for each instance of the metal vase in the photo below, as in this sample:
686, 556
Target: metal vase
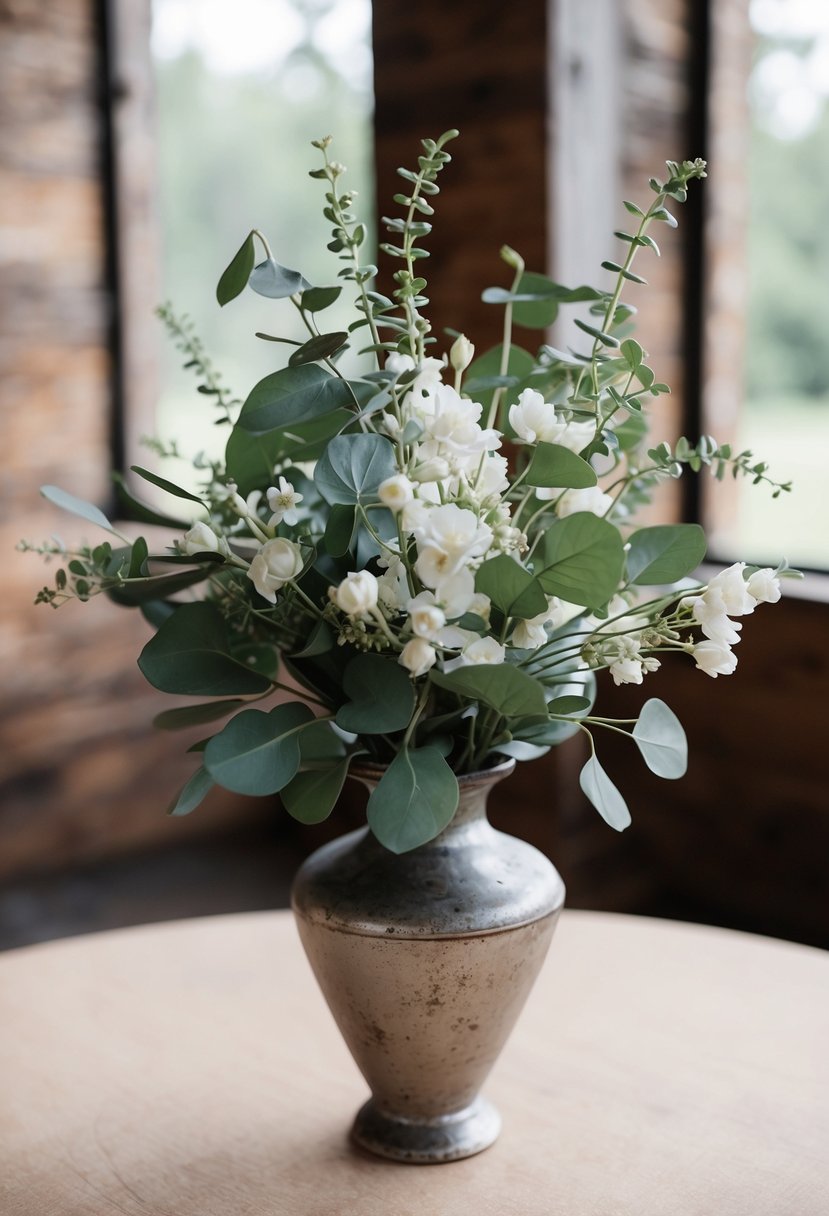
426, 960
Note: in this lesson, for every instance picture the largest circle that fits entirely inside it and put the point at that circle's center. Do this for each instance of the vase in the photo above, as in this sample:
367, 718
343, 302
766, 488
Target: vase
426, 959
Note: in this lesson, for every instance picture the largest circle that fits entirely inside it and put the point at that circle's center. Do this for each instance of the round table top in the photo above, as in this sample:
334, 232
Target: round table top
193, 1069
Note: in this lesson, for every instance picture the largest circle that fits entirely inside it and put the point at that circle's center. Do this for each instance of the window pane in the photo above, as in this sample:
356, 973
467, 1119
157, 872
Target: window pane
243, 86
784, 382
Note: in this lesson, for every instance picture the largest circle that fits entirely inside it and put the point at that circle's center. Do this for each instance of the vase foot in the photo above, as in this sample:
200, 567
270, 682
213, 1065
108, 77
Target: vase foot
427, 1141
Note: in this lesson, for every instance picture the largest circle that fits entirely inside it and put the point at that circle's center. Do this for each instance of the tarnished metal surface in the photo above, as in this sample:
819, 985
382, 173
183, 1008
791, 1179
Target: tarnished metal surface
426, 960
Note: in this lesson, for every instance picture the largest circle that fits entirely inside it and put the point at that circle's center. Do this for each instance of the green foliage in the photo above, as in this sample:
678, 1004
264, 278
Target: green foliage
600, 790
664, 553
352, 468
553, 465
258, 753
414, 800
380, 696
582, 560
189, 656
660, 738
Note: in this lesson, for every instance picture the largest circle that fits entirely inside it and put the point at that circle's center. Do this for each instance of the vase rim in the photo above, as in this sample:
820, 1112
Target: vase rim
366, 770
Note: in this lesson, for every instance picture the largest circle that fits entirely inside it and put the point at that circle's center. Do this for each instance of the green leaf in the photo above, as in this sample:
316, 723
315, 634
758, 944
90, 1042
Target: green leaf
414, 800
138, 558
340, 529
583, 558
501, 686
664, 553
311, 797
291, 397
136, 510
188, 656
258, 753
320, 641
381, 696
164, 484
569, 706
194, 715
318, 347
601, 791
660, 738
320, 741
235, 278
315, 299
352, 467
275, 281
147, 589
510, 587
554, 465
250, 459
77, 506
632, 354
194, 792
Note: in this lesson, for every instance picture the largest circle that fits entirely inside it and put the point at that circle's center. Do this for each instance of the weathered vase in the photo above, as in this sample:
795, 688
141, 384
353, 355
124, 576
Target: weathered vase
426, 960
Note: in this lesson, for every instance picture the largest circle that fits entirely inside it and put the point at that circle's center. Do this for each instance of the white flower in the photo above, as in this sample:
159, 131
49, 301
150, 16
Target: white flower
462, 353
714, 659
710, 611
357, 594
201, 539
426, 618
626, 671
395, 492
282, 501
481, 651
428, 376
480, 605
449, 539
732, 587
493, 478
417, 656
452, 431
433, 469
764, 586
456, 593
533, 420
591, 499
577, 435
274, 565
530, 634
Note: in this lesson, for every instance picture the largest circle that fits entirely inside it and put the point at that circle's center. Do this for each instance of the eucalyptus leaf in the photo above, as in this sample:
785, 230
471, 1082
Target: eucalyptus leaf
569, 706
510, 587
77, 506
291, 397
158, 587
189, 656
519, 366
320, 641
583, 558
660, 738
235, 277
321, 346
164, 484
414, 801
664, 553
258, 753
352, 468
381, 696
311, 797
315, 299
193, 793
250, 459
501, 686
136, 510
597, 786
275, 281
339, 529
555, 466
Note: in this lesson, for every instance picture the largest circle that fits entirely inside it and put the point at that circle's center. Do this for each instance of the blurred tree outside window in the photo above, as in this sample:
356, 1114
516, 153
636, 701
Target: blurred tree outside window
242, 87
784, 417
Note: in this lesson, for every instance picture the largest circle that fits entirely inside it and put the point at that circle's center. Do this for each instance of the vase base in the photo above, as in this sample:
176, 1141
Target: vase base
428, 1141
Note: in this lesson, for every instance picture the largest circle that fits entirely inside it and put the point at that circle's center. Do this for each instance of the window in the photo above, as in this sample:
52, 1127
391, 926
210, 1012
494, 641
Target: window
767, 315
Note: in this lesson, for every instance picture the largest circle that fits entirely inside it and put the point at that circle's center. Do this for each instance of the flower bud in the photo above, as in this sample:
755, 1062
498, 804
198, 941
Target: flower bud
200, 539
462, 353
417, 656
434, 469
357, 593
276, 563
395, 492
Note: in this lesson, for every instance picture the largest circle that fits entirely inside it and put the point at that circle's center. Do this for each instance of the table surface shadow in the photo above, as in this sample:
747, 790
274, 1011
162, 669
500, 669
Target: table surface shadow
193, 1069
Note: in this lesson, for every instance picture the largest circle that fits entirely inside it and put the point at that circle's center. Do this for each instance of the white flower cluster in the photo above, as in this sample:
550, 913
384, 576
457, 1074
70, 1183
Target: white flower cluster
728, 594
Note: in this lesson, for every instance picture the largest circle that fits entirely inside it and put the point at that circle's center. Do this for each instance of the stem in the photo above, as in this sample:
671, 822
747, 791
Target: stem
506, 346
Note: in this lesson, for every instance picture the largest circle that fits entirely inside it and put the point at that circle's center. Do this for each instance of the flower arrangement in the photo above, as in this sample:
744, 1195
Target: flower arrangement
432, 559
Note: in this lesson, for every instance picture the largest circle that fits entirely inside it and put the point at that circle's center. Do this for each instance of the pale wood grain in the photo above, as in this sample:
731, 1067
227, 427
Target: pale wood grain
192, 1069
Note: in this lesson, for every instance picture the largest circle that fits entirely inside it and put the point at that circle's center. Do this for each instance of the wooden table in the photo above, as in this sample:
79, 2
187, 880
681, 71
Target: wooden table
192, 1069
